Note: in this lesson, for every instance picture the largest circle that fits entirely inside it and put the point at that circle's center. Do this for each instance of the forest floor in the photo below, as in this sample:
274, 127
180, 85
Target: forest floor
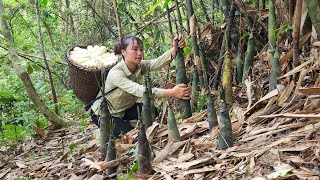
276, 136
280, 148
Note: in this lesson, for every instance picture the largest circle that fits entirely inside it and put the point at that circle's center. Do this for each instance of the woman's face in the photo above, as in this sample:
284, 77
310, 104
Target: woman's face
133, 53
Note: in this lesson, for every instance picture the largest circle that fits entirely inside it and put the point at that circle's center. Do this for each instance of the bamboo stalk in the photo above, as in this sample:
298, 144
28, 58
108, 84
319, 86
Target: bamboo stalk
223, 47
193, 27
296, 32
275, 70
224, 4
212, 115
225, 139
111, 154
273, 52
115, 6
194, 89
173, 130
179, 15
146, 109
184, 105
227, 80
248, 61
239, 64
104, 128
169, 21
181, 78
152, 108
314, 11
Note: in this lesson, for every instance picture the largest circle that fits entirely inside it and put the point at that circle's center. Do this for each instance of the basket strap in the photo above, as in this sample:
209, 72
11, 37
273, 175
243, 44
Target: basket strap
89, 104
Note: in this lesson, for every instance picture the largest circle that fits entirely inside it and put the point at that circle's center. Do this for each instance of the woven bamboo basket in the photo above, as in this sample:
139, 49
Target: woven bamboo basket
84, 82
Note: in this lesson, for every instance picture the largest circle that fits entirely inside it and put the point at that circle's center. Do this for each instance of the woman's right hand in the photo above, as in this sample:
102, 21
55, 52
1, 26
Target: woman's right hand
181, 91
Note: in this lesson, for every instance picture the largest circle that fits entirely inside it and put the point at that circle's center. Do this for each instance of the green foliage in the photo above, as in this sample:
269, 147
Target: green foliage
61, 32
82, 124
154, 7
281, 29
244, 35
134, 169
201, 102
44, 3
12, 133
6, 17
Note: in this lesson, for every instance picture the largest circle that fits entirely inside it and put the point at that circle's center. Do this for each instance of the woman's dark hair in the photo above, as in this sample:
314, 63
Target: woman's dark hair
123, 44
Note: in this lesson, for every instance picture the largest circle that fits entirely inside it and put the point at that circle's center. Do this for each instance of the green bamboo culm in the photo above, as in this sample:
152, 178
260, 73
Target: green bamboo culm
204, 63
273, 54
173, 130
195, 89
248, 61
224, 4
111, 154
179, 14
146, 109
225, 138
314, 11
212, 115
239, 64
181, 78
184, 105
193, 34
153, 109
104, 128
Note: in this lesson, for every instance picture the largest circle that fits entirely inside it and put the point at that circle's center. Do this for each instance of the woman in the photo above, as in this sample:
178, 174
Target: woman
124, 83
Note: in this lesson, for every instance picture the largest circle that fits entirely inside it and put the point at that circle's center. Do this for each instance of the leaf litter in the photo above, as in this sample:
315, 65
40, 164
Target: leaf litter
276, 137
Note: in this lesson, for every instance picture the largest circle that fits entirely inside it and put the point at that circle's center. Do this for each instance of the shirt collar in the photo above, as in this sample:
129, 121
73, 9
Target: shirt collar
127, 71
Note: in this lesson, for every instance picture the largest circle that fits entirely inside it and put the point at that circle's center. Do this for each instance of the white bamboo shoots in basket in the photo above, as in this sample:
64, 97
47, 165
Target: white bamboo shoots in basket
93, 57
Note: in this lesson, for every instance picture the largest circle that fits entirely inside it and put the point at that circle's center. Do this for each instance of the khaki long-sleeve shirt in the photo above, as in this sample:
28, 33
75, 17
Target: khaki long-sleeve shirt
125, 88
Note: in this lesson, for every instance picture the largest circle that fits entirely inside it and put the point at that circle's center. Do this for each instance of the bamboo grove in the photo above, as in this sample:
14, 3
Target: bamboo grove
224, 40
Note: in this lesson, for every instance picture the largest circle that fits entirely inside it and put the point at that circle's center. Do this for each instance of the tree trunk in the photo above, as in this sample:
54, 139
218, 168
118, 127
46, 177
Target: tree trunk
24, 76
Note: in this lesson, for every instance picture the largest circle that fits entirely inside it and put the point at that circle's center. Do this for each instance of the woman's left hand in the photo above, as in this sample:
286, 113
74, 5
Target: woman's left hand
181, 43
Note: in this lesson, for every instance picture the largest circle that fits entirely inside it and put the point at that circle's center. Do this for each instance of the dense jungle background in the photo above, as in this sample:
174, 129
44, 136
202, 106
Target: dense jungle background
253, 66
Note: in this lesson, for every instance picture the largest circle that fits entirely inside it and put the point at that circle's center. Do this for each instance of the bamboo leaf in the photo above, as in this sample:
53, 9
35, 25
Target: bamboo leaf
244, 35
36, 67
154, 7
5, 17
166, 3
186, 51
44, 3
29, 69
